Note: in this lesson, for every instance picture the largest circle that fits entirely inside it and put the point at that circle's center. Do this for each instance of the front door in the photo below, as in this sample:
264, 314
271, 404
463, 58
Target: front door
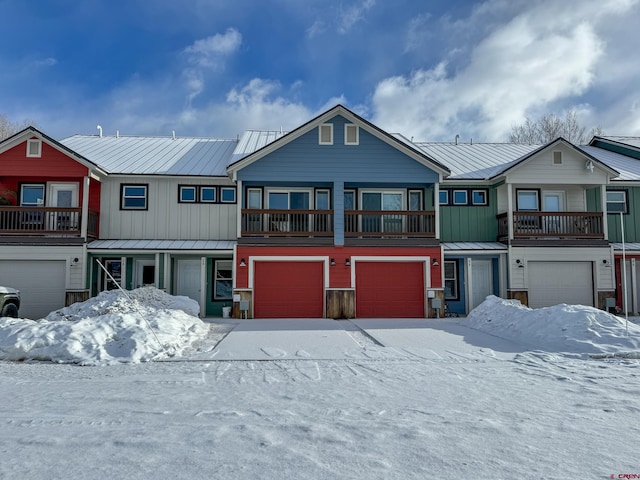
188, 279
481, 285
63, 195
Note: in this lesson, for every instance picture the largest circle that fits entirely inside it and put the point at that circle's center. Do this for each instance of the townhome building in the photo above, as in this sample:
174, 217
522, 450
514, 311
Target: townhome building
49, 213
525, 222
337, 219
168, 216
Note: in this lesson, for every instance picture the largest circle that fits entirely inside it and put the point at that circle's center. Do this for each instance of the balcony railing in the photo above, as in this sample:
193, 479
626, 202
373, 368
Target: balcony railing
565, 225
45, 221
287, 223
385, 223
319, 223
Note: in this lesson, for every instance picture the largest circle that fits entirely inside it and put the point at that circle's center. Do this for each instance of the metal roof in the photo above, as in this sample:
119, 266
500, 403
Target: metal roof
631, 141
253, 140
161, 245
155, 155
617, 247
466, 246
628, 167
476, 161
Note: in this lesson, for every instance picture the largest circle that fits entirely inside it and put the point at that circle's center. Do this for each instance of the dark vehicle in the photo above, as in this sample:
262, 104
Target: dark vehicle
9, 302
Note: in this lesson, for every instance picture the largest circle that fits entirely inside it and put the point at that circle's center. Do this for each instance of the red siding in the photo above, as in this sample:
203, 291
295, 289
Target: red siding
390, 289
289, 290
52, 163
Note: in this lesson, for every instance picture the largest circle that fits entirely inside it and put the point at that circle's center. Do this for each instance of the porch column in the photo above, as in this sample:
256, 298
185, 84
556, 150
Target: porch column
84, 221
338, 213
603, 209
241, 201
436, 202
510, 210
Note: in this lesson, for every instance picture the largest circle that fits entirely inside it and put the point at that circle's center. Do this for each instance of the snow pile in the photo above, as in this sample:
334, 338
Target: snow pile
561, 328
107, 329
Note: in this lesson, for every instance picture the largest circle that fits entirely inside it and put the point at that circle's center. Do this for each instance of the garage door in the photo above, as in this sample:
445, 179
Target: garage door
552, 283
288, 290
390, 289
41, 284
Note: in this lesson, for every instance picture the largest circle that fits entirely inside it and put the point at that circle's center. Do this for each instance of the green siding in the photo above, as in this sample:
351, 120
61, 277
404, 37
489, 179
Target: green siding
470, 223
631, 220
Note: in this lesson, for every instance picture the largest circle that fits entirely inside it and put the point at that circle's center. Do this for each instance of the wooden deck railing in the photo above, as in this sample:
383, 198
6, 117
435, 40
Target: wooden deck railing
320, 223
552, 225
45, 221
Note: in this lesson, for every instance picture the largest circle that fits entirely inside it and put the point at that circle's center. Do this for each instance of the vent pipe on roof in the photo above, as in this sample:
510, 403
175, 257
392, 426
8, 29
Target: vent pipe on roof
99, 130
173, 134
471, 141
117, 133
457, 138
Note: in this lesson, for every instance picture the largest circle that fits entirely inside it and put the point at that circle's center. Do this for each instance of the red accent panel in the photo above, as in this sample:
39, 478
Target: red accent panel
390, 289
53, 163
288, 289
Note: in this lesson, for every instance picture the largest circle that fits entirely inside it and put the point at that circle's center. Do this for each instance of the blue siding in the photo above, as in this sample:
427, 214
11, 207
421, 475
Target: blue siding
303, 159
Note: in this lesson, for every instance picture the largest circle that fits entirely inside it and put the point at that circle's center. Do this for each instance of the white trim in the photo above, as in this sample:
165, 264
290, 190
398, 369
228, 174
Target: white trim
215, 279
346, 136
320, 128
366, 258
253, 259
37, 142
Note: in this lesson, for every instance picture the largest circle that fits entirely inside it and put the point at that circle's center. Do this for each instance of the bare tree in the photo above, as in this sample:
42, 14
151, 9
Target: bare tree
549, 127
8, 128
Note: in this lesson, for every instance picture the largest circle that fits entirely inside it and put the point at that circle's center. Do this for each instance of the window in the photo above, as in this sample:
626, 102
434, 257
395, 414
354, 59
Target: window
451, 280
326, 134
557, 158
34, 148
133, 197
187, 194
351, 134
444, 197
415, 200
254, 198
382, 201
617, 201
528, 200
32, 195
223, 280
460, 197
479, 197
207, 194
228, 195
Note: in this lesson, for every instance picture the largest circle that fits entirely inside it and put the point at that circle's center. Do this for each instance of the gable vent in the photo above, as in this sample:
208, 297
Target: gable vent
326, 134
557, 158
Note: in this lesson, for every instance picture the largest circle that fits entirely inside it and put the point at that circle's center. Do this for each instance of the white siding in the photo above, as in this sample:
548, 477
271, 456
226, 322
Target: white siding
166, 219
540, 169
604, 274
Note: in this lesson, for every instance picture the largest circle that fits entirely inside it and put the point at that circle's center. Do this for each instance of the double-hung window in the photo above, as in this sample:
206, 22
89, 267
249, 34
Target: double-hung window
223, 282
134, 197
451, 280
616, 201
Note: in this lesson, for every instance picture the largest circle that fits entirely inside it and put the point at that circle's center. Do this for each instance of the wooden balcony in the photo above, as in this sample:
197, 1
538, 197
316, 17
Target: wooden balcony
46, 221
320, 223
552, 225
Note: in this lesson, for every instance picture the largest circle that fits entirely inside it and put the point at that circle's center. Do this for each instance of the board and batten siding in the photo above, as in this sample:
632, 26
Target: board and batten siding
604, 274
305, 160
631, 220
470, 223
166, 218
540, 170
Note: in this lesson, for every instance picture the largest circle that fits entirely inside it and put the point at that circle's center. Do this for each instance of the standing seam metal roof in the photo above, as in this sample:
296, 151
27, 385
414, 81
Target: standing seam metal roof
155, 155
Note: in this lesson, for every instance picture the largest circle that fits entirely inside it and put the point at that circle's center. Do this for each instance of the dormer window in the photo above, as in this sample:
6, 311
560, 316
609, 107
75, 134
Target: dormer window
34, 148
326, 134
351, 134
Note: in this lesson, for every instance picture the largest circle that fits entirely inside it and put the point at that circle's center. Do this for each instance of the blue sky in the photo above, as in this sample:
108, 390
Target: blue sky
426, 69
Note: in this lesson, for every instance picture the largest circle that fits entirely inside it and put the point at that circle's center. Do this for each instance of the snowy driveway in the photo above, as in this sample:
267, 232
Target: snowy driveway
323, 339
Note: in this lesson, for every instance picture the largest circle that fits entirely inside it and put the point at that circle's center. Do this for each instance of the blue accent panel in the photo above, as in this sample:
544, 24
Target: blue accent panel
338, 213
305, 160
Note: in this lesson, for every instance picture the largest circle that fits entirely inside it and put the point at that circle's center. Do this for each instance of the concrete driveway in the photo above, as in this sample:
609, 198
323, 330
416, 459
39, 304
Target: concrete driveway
326, 339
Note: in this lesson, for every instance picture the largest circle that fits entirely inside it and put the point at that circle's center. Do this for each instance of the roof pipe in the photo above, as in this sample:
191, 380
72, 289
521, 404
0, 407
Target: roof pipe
457, 138
99, 130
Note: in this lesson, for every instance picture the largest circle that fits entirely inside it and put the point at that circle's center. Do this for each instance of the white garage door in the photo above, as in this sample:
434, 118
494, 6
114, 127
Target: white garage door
552, 283
41, 284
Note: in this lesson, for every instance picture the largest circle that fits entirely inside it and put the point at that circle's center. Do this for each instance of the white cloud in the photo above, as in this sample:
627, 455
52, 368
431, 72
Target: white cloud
546, 54
317, 28
353, 14
45, 62
208, 52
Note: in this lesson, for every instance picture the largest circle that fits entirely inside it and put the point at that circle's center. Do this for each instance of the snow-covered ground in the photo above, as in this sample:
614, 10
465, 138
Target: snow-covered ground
507, 392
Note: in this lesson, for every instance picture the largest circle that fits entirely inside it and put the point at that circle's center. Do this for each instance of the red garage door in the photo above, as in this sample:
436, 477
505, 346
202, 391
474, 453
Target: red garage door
288, 289
390, 289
